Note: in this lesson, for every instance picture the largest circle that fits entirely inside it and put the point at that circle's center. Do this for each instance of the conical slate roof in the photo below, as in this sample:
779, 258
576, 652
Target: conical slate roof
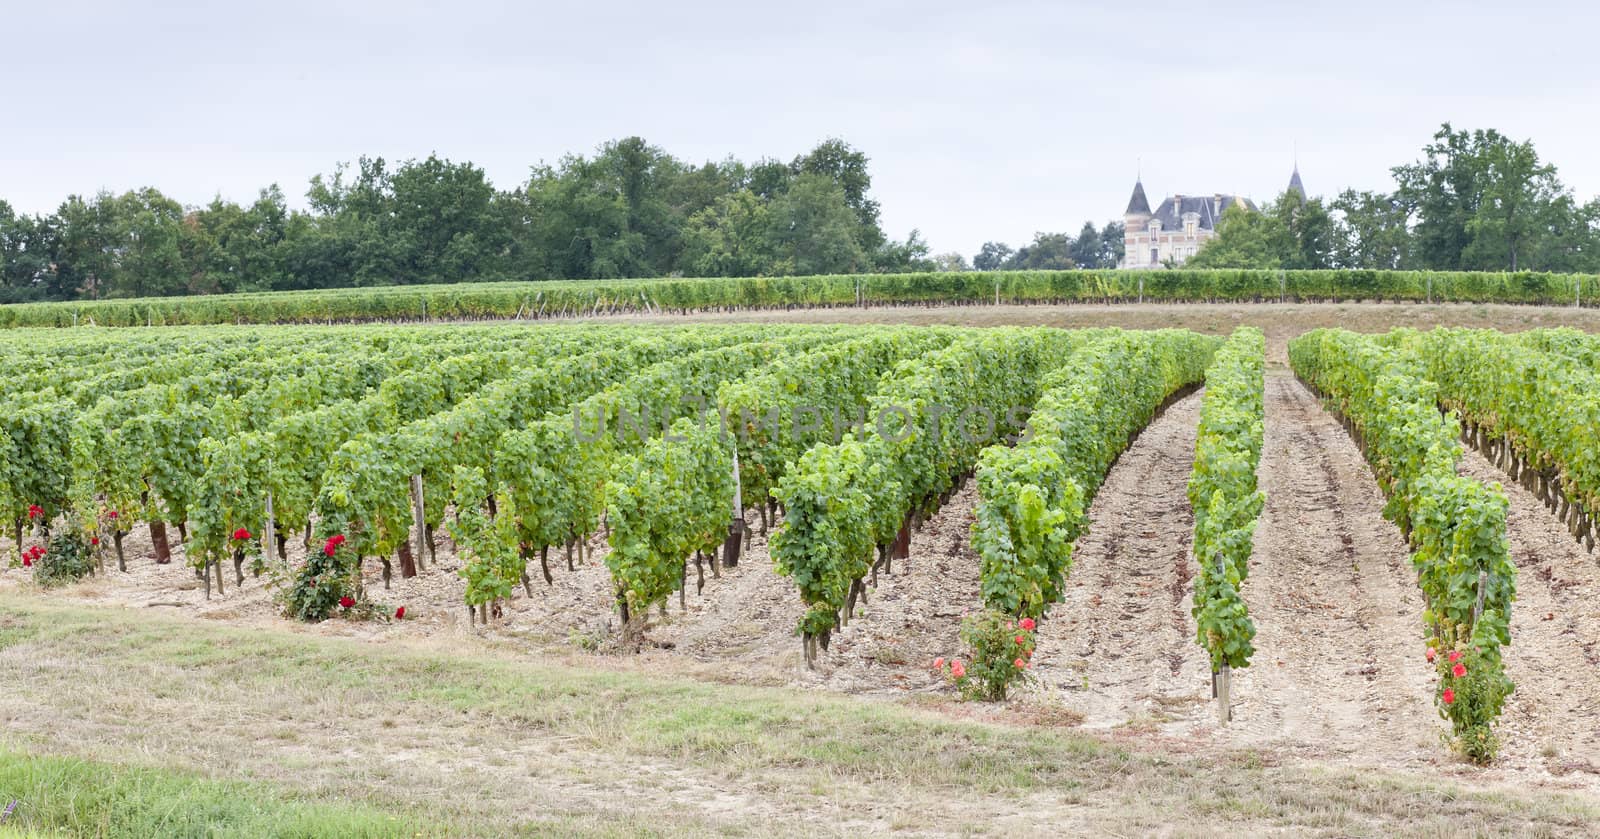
1138, 204
1295, 185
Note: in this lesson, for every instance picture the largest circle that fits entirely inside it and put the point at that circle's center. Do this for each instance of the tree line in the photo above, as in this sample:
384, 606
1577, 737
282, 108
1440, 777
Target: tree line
629, 210
1474, 201
1091, 248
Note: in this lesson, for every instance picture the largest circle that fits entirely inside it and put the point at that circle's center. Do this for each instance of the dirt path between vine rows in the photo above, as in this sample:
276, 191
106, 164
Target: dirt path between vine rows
1551, 723
1119, 648
1338, 669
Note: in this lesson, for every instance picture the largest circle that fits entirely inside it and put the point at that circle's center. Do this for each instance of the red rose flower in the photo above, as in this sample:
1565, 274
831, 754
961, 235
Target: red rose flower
1028, 624
35, 511
1449, 696
94, 540
347, 601
1429, 654
957, 669
400, 613
27, 562
1458, 671
938, 663
1021, 640
1019, 664
1455, 656
241, 534
112, 514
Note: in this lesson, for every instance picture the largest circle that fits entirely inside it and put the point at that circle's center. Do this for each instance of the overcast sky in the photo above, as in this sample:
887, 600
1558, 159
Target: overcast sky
983, 120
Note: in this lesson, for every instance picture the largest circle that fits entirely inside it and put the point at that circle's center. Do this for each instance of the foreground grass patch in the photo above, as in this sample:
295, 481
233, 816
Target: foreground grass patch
57, 795
495, 745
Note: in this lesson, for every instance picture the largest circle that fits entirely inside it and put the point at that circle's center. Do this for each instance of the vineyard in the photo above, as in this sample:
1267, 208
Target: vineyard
1380, 552
566, 299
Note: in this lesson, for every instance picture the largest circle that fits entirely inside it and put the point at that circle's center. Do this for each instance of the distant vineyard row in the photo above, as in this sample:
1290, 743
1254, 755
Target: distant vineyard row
542, 300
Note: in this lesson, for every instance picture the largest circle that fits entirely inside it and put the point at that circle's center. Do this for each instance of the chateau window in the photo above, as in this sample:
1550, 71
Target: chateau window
1155, 256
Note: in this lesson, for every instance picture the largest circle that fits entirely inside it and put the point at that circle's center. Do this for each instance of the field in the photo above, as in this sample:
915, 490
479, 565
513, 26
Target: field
570, 299
573, 658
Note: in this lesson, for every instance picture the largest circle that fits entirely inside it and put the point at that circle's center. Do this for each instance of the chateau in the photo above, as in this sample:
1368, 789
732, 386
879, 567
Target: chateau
1177, 228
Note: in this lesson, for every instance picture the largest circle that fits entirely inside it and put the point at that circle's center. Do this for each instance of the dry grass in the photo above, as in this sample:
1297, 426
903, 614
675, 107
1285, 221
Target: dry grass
490, 743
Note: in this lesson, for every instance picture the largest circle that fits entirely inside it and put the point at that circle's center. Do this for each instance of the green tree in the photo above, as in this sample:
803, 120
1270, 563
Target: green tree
815, 229
1292, 232
951, 261
148, 235
1479, 200
899, 257
1569, 237
85, 246
1245, 239
1086, 249
732, 238
1306, 231
242, 248
1111, 244
1516, 206
839, 162
1370, 231
1047, 252
24, 256
992, 256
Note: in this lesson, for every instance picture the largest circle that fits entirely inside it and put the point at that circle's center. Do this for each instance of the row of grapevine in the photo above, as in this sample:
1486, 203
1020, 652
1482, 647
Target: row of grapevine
843, 500
1535, 413
585, 298
796, 402
119, 424
677, 495
149, 453
1456, 526
1226, 503
552, 474
364, 446
1034, 496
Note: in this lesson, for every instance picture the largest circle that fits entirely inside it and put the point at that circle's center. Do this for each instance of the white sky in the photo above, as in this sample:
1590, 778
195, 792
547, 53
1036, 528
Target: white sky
983, 120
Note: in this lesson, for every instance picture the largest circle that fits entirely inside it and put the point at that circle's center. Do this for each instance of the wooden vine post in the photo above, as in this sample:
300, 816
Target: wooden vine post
419, 520
1224, 690
730, 548
270, 536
